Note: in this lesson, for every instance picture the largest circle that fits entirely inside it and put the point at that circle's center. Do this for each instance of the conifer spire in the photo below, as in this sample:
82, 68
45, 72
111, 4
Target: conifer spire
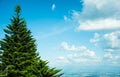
19, 57
18, 9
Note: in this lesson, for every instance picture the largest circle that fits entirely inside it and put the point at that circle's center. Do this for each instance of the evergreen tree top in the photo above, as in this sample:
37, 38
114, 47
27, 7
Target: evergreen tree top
17, 9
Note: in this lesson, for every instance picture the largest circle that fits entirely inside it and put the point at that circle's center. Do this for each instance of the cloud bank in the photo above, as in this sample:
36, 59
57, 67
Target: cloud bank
80, 55
98, 15
110, 46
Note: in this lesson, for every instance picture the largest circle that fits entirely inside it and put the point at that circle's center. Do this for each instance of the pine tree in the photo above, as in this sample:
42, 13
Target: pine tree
18, 52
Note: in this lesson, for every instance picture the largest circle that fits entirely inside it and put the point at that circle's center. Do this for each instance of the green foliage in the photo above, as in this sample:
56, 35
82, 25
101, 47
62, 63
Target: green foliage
18, 57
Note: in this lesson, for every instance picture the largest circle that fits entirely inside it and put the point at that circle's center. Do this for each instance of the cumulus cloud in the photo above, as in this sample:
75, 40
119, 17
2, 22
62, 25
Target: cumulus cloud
83, 54
111, 50
113, 39
111, 59
67, 47
98, 15
95, 39
101, 24
53, 7
84, 58
62, 59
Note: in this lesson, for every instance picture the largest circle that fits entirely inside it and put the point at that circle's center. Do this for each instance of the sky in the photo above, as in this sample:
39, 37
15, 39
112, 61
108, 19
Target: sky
71, 33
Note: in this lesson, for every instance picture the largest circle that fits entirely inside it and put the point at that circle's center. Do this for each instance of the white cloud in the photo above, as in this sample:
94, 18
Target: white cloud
67, 47
86, 57
65, 18
101, 24
111, 59
95, 39
112, 50
98, 15
89, 54
113, 39
101, 4
108, 55
62, 59
100, 9
53, 7
111, 43
83, 54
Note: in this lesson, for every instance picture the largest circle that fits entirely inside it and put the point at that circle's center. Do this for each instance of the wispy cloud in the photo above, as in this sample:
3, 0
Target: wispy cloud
52, 32
66, 18
53, 7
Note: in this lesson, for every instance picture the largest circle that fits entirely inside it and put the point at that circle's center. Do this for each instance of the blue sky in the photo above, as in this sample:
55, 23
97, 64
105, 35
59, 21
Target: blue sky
71, 32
